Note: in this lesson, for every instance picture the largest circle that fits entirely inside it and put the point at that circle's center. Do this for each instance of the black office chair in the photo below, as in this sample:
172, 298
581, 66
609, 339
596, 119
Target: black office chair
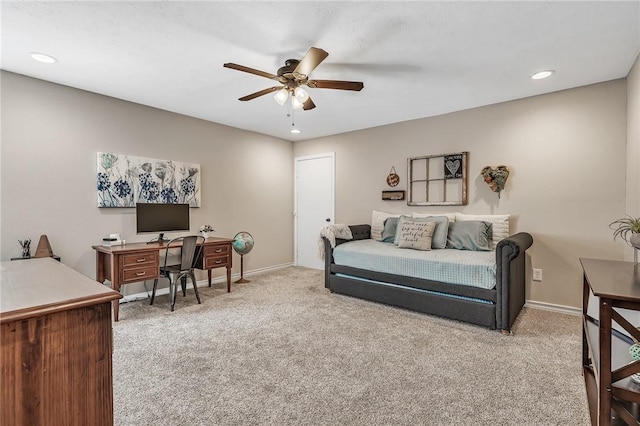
189, 251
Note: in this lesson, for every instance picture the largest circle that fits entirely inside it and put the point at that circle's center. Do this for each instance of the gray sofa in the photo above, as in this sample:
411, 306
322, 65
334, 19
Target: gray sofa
507, 298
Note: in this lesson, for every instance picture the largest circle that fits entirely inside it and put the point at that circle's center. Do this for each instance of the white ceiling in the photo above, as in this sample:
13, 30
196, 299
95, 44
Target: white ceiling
416, 59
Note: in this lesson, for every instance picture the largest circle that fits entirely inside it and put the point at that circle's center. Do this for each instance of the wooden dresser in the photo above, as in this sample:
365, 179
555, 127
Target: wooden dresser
55, 358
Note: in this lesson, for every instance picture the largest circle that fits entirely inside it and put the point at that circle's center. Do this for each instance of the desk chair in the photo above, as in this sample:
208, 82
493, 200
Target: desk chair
188, 254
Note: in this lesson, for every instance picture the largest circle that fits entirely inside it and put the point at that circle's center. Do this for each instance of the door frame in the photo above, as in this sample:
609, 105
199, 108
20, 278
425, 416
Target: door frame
296, 161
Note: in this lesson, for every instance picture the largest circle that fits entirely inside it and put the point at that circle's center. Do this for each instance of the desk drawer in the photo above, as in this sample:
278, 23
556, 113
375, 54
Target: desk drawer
216, 261
216, 250
140, 274
136, 260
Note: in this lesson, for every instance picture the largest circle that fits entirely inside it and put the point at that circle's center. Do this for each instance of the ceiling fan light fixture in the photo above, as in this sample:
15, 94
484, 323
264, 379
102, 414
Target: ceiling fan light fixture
301, 94
281, 96
295, 103
542, 74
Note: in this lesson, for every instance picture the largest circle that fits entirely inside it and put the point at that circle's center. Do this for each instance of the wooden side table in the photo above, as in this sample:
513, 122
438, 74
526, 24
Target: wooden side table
607, 365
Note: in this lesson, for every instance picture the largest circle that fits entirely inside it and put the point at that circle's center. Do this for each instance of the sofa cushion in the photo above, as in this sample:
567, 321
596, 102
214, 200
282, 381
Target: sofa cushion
439, 239
414, 234
472, 235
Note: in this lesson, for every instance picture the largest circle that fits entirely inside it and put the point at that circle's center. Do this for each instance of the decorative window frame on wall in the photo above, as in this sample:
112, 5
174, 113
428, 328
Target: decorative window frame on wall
437, 180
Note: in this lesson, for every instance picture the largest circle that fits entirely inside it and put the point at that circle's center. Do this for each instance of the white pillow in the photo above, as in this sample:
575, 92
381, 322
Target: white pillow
500, 224
377, 223
450, 216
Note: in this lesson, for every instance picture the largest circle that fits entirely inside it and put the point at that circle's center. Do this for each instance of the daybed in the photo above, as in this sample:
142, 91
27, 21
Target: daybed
496, 307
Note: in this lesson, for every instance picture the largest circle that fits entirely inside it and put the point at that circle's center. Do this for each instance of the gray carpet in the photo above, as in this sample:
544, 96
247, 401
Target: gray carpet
282, 350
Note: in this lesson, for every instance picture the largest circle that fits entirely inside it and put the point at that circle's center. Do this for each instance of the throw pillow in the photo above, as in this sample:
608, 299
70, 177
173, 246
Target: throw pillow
439, 239
415, 235
500, 224
470, 235
450, 216
390, 228
377, 223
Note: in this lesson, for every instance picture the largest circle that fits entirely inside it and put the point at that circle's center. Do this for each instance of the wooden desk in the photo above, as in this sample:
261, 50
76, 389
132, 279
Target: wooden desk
136, 262
56, 346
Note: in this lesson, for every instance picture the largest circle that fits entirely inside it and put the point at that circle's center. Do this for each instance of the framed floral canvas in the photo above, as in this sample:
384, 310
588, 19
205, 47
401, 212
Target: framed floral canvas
124, 180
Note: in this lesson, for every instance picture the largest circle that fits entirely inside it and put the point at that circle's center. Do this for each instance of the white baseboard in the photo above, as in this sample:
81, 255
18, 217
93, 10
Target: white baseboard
553, 307
203, 283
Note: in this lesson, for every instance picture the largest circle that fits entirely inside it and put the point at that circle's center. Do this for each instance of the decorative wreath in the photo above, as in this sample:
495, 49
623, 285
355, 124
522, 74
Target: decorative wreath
496, 177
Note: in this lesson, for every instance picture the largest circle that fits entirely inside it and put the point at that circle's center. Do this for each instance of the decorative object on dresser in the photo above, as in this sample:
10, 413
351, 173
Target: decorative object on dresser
437, 180
242, 244
496, 177
26, 247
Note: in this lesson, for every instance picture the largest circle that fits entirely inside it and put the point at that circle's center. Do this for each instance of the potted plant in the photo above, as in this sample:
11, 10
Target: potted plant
627, 228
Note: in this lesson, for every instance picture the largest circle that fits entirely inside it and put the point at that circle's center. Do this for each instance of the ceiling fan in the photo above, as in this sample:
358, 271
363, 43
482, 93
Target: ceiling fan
293, 76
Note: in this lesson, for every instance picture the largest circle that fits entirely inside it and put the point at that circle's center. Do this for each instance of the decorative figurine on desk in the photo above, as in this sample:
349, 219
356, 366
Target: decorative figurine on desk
26, 247
205, 229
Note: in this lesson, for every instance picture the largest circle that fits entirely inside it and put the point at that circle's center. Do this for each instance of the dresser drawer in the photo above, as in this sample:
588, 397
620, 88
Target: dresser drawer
136, 260
217, 250
142, 273
216, 261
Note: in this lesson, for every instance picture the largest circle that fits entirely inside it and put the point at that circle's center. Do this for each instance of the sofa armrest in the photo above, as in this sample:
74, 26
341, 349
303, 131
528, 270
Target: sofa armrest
359, 232
510, 278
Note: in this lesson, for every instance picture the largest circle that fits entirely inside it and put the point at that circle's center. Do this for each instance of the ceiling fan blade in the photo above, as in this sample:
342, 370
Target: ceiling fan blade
260, 93
249, 70
310, 61
335, 84
308, 104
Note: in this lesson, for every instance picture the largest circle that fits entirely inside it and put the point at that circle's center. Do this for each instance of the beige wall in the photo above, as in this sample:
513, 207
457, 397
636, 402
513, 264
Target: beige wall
633, 145
564, 149
566, 152
50, 136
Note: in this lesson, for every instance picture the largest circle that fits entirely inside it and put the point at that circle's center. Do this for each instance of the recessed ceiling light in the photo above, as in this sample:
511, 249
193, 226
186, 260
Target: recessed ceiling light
295, 131
41, 57
542, 74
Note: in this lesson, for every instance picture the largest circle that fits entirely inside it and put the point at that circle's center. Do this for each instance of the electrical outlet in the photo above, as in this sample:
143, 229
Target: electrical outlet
537, 274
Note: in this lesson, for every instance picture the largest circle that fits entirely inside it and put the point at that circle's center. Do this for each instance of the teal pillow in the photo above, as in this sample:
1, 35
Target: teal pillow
439, 238
473, 235
397, 234
389, 230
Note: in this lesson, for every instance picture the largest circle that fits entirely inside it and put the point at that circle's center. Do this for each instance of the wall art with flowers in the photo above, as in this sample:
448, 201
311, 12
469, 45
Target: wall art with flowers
124, 180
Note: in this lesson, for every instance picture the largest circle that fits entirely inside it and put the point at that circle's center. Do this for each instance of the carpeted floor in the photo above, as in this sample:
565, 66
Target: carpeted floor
282, 350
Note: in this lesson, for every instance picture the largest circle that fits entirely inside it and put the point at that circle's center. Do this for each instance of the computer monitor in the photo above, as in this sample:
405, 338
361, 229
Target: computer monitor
161, 218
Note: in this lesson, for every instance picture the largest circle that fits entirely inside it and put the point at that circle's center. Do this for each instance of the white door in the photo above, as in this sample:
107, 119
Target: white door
314, 205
